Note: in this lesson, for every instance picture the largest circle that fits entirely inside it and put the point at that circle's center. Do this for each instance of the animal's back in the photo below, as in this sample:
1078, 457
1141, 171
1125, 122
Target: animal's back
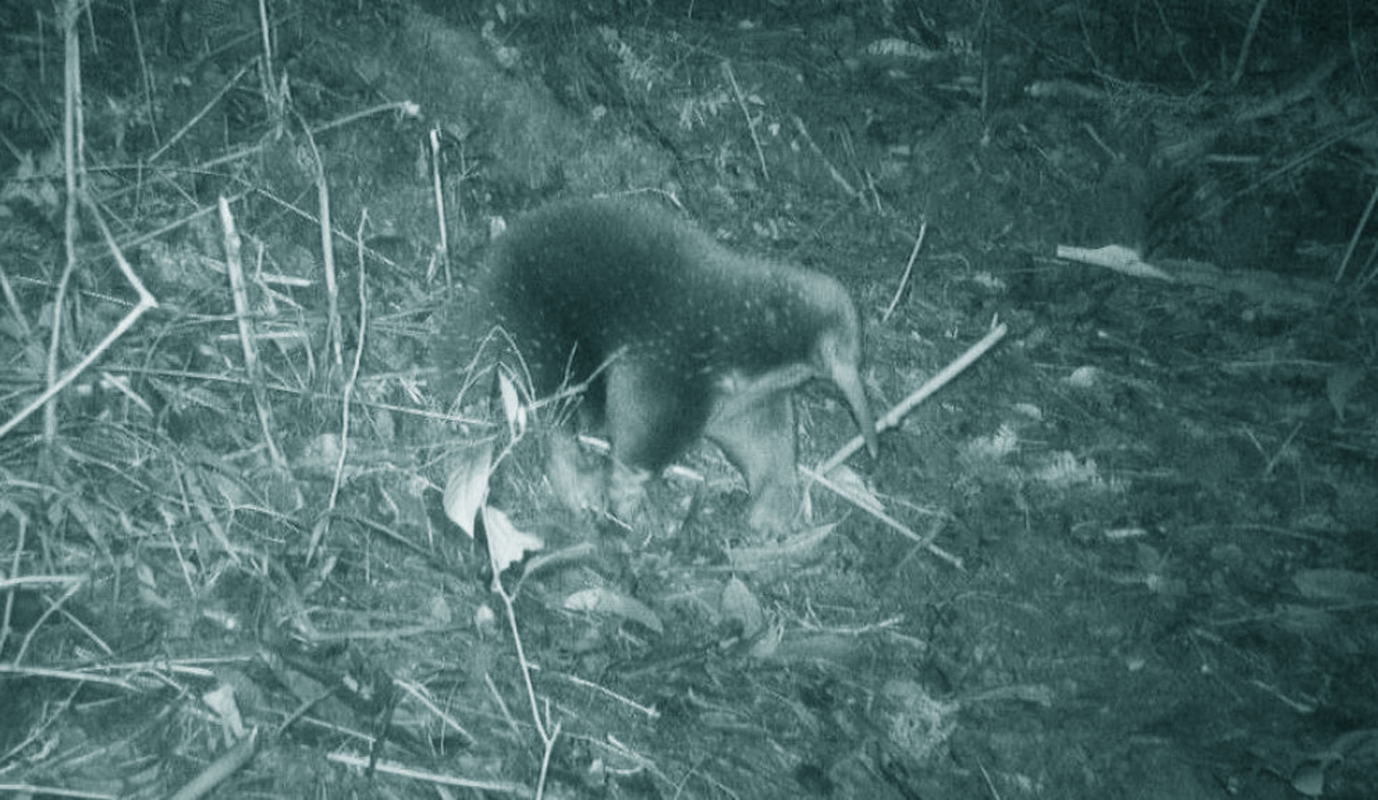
600, 271
607, 274
677, 337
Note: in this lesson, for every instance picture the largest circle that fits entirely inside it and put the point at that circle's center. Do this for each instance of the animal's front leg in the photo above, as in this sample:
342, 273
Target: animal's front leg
759, 440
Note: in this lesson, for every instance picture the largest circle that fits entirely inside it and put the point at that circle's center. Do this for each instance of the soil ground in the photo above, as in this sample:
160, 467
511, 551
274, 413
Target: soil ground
1129, 552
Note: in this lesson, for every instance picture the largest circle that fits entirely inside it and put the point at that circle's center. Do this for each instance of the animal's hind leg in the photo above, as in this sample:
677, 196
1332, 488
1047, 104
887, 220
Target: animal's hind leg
759, 440
578, 484
652, 415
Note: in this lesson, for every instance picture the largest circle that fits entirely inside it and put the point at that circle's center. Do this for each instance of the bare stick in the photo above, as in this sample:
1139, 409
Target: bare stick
220, 769
332, 286
72, 158
1171, 36
547, 738
1248, 42
270, 91
78, 676
149, 93
649, 711
545, 760
393, 768
42, 50
48, 612
1368, 273
146, 301
924, 541
191, 123
146, 298
1358, 230
12, 300
502, 704
419, 693
1281, 451
346, 400
818, 151
444, 246
21, 521
235, 267
521, 652
750, 123
407, 107
354, 369
893, 417
908, 270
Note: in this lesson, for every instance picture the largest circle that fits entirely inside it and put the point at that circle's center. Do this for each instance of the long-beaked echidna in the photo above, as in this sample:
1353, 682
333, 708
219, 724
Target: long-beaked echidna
678, 337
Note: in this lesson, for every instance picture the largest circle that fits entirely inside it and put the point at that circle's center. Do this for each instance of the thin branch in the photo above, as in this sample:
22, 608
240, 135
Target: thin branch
893, 417
750, 123
908, 270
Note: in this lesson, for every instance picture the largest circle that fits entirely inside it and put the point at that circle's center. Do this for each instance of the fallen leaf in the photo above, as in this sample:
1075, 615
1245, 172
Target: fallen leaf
466, 487
601, 600
506, 544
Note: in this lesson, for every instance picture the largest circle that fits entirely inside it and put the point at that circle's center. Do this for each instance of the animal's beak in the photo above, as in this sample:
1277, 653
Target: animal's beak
848, 379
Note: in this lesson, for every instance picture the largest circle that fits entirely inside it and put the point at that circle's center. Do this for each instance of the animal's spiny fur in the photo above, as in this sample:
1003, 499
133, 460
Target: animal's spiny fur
682, 338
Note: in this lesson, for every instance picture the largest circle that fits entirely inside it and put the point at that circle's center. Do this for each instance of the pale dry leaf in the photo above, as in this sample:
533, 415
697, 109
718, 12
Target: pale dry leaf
506, 544
466, 487
601, 600
740, 605
512, 408
1340, 386
1339, 585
